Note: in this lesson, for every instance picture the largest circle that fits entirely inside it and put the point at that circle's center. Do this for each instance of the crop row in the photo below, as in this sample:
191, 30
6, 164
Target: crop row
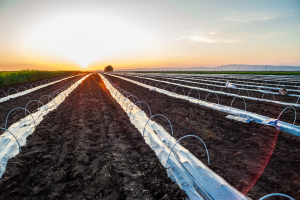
291, 128
257, 91
54, 96
16, 77
128, 95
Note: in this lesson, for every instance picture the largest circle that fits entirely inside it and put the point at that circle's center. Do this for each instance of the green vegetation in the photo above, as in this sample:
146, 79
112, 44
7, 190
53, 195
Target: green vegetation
228, 72
108, 68
15, 77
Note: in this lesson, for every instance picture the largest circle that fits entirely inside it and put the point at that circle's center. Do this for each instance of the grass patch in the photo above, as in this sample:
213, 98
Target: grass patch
16, 77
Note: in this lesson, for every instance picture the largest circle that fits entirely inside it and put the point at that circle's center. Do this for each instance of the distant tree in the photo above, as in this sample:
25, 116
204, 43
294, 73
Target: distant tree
108, 68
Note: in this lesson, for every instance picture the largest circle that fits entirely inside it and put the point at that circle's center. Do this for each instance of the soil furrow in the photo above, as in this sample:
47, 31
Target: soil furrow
255, 159
87, 149
268, 109
16, 115
33, 83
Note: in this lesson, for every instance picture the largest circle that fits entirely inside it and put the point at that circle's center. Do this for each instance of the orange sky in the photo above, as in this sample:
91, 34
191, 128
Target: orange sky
89, 35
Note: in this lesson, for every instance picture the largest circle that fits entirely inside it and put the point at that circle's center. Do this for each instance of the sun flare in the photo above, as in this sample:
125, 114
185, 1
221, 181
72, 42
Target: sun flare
84, 39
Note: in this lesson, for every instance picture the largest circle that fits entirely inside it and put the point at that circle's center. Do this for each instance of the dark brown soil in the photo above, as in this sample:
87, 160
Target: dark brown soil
87, 149
16, 115
259, 107
250, 82
33, 83
278, 97
255, 159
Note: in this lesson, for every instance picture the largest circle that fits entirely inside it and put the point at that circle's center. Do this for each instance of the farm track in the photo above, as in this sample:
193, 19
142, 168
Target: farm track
87, 149
7, 106
268, 109
238, 152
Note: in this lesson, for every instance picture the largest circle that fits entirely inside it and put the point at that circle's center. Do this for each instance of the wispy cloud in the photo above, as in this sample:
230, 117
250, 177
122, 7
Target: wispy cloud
212, 38
239, 16
207, 37
216, 37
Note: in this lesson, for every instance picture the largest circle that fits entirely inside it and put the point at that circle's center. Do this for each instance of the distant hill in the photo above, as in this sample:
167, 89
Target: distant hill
231, 67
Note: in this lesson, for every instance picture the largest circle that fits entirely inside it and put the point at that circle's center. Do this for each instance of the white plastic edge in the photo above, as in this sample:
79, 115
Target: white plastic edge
26, 126
192, 176
286, 127
224, 93
31, 90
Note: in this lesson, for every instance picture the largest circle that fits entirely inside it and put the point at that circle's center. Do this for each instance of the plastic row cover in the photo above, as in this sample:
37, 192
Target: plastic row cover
192, 176
286, 127
26, 126
31, 90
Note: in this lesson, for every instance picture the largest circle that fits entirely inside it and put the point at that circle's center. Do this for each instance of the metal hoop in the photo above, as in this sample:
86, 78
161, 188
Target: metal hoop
234, 99
209, 94
14, 137
181, 88
185, 137
154, 116
194, 89
15, 109
287, 108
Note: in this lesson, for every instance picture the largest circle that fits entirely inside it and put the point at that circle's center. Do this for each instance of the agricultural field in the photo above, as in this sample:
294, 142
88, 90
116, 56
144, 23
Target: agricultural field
226, 72
116, 136
85, 149
254, 158
8, 78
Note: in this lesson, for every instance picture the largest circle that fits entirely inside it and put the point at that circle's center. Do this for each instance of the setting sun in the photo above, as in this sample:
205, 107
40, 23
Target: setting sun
97, 95
86, 38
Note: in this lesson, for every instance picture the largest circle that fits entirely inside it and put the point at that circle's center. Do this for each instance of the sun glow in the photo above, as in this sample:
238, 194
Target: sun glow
84, 39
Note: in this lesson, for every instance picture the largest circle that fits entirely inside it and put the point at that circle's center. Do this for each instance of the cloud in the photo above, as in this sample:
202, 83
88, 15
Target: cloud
231, 37
207, 37
238, 16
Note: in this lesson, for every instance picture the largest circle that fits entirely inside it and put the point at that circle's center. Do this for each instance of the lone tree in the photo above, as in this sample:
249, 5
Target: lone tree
108, 68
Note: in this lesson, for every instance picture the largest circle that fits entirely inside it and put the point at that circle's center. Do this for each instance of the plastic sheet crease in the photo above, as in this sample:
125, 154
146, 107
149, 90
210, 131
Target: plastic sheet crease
192, 176
231, 94
31, 90
286, 127
26, 126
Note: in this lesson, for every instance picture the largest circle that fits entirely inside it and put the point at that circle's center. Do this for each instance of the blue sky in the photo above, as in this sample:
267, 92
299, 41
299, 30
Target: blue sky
71, 34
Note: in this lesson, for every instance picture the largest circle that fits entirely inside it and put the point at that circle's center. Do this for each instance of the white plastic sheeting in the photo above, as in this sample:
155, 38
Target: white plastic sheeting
26, 126
264, 84
230, 85
286, 127
230, 94
31, 90
238, 78
192, 176
244, 87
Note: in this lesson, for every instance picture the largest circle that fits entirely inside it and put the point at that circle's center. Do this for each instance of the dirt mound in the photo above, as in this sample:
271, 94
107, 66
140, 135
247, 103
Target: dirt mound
87, 149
